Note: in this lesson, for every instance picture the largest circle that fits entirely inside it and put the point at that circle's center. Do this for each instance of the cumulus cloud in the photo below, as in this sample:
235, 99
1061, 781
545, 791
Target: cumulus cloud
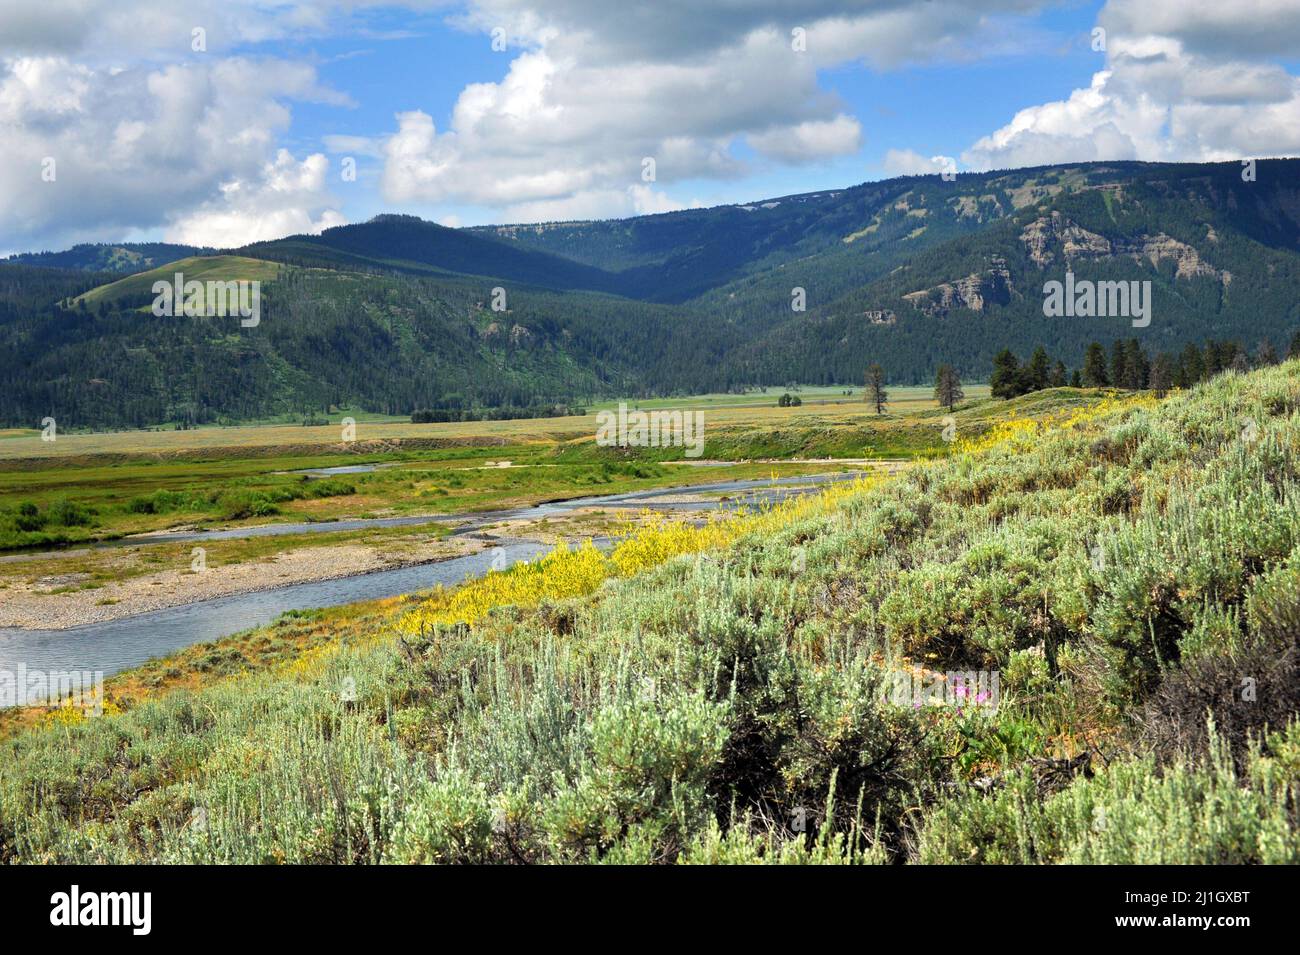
907, 162
1177, 86
809, 141
594, 88
131, 149
287, 197
148, 135
1242, 28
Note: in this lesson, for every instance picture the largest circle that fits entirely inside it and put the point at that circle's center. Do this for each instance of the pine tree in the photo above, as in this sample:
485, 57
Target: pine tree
947, 387
1118, 364
1218, 356
1162, 374
1038, 370
1094, 367
1136, 366
1058, 378
876, 393
1005, 382
1193, 365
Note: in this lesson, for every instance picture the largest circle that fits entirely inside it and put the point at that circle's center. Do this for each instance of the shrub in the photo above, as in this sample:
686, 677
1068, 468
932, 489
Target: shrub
646, 780
1130, 814
447, 821
1246, 686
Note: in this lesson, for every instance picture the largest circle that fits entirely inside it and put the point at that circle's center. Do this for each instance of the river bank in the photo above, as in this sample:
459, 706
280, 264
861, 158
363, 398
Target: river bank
65, 594
56, 603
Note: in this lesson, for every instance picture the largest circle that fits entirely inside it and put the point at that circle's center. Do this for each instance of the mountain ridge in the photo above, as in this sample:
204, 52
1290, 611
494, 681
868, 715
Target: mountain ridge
908, 272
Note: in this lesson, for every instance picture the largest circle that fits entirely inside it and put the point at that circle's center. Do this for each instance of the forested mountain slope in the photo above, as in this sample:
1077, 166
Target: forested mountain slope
398, 313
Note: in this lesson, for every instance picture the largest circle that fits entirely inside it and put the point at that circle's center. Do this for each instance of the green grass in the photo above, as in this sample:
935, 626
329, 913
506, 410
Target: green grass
134, 490
210, 268
131, 498
1120, 574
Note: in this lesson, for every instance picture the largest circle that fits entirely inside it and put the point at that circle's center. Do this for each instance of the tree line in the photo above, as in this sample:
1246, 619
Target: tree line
1126, 366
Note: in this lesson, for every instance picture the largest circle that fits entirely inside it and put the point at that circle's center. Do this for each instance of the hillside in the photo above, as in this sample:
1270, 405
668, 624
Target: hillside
409, 244
1220, 254
125, 257
137, 288
908, 272
1033, 651
326, 338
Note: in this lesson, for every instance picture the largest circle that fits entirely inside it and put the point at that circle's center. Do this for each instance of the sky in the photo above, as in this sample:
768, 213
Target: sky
223, 122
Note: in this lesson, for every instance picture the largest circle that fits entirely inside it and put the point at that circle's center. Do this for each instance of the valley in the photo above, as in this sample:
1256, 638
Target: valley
371, 572
983, 555
145, 505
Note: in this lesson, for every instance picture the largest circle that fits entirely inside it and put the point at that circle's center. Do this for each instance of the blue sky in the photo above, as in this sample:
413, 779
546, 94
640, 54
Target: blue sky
936, 109
113, 126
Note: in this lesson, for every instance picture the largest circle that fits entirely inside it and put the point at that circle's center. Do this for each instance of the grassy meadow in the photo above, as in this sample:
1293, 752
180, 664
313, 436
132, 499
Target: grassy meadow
1128, 569
84, 487
209, 268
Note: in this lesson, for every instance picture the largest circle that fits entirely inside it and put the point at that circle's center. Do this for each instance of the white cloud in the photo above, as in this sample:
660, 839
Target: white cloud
907, 162
1240, 28
286, 198
637, 200
148, 134
136, 148
1175, 88
811, 140
593, 88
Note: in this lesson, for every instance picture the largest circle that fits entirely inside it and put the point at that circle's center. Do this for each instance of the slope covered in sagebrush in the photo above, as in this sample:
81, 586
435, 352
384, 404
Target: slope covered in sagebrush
1130, 571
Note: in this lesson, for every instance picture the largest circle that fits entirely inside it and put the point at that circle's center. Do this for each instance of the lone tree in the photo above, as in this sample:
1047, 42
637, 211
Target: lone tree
947, 386
876, 393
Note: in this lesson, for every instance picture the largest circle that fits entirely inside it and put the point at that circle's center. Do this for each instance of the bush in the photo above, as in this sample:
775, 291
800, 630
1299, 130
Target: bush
446, 822
1130, 814
1247, 686
645, 782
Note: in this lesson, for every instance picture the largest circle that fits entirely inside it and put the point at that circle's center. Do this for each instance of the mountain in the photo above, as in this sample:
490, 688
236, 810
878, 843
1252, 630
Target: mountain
125, 257
384, 342
1220, 255
398, 313
409, 245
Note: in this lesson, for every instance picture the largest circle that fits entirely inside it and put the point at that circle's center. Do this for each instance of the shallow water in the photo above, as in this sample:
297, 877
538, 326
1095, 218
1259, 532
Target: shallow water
340, 469
127, 642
